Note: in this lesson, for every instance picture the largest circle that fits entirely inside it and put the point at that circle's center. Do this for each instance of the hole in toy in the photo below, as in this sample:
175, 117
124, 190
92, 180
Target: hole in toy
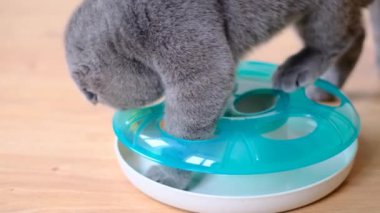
295, 127
255, 102
322, 96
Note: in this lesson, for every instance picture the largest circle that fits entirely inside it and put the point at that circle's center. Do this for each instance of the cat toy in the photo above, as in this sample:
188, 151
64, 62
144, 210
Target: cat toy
272, 151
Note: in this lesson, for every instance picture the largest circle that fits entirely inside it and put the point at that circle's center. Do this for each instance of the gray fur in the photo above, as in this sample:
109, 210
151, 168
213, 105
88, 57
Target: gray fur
338, 73
375, 16
326, 35
129, 53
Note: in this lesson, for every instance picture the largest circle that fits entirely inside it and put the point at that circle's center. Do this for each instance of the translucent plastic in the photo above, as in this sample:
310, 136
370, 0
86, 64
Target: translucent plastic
287, 131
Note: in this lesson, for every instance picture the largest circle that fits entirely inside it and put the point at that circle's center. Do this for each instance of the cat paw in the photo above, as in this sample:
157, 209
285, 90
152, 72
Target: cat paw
175, 178
289, 79
300, 70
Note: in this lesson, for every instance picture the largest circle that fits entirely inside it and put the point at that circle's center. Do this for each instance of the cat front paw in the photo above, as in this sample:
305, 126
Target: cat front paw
300, 70
289, 79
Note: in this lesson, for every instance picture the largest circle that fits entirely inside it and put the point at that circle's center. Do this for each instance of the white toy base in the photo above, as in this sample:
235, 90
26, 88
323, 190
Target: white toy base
275, 192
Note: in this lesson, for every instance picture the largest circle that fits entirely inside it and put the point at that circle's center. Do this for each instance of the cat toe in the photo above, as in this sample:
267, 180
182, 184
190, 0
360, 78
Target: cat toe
289, 79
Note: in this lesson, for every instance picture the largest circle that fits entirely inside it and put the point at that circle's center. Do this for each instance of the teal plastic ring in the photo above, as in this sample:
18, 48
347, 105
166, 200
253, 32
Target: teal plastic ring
249, 143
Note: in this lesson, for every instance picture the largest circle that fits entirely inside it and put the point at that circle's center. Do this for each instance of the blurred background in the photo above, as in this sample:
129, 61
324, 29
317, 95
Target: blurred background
56, 149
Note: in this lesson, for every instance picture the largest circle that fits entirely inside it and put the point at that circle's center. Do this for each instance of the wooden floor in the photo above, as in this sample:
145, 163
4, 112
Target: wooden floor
56, 149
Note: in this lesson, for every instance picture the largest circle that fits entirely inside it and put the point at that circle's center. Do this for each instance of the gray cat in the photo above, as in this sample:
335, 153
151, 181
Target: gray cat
130, 53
